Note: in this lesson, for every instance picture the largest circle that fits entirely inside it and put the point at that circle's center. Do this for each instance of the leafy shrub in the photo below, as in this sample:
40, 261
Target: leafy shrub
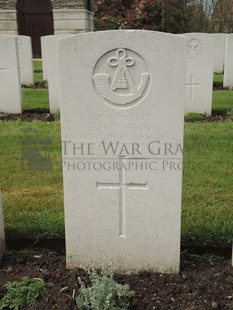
175, 16
104, 293
22, 293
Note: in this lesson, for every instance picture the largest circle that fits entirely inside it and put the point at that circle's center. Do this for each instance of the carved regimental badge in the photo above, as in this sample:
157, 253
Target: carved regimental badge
194, 47
121, 77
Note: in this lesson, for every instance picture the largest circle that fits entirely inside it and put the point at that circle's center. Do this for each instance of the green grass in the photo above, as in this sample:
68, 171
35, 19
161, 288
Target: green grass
35, 99
207, 184
194, 117
38, 98
33, 200
222, 101
38, 74
218, 78
222, 104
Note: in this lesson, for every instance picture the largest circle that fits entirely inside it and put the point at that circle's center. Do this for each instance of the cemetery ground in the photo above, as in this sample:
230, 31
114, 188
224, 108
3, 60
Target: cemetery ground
34, 218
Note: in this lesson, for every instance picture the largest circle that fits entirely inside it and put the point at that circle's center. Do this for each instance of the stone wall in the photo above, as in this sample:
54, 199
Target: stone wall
8, 22
73, 21
7, 4
78, 4
70, 16
57, 4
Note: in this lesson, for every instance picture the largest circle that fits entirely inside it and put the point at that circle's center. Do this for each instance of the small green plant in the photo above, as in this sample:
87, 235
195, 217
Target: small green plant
57, 115
22, 293
104, 293
230, 114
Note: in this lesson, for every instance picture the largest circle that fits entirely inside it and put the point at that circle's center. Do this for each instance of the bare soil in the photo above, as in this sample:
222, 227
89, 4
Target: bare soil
205, 282
29, 116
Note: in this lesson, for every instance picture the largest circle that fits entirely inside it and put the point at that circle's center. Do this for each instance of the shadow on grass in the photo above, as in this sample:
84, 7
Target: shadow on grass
36, 110
38, 71
219, 111
218, 85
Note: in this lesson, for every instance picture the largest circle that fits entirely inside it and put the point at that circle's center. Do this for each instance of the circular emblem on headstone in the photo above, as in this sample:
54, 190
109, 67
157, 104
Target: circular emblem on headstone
194, 47
121, 78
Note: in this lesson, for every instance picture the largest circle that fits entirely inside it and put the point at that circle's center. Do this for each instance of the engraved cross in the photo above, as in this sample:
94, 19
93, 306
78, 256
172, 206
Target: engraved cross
122, 186
192, 85
2, 70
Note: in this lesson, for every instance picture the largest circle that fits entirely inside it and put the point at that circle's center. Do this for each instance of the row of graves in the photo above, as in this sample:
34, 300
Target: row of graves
122, 96
16, 69
205, 54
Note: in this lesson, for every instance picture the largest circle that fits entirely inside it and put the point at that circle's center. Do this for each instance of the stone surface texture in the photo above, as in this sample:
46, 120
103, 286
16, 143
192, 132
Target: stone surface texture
10, 85
57, 4
44, 57
25, 60
72, 21
51, 50
228, 72
219, 51
69, 16
122, 108
199, 73
8, 22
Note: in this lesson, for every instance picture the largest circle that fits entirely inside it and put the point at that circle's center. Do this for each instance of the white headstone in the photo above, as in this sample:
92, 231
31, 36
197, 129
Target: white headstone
2, 233
10, 85
199, 73
228, 72
51, 43
26, 60
122, 107
44, 58
219, 51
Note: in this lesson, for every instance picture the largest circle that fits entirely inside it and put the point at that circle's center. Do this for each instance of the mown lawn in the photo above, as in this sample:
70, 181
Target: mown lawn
35, 99
222, 101
33, 200
208, 184
38, 75
218, 78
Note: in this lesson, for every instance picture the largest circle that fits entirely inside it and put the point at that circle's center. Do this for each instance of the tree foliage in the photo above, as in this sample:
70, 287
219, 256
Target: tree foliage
169, 16
174, 16
223, 16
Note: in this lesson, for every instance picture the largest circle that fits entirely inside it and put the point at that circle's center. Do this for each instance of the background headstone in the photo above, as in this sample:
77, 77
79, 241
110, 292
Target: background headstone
125, 88
2, 233
44, 57
219, 51
199, 73
26, 60
228, 72
10, 85
53, 72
